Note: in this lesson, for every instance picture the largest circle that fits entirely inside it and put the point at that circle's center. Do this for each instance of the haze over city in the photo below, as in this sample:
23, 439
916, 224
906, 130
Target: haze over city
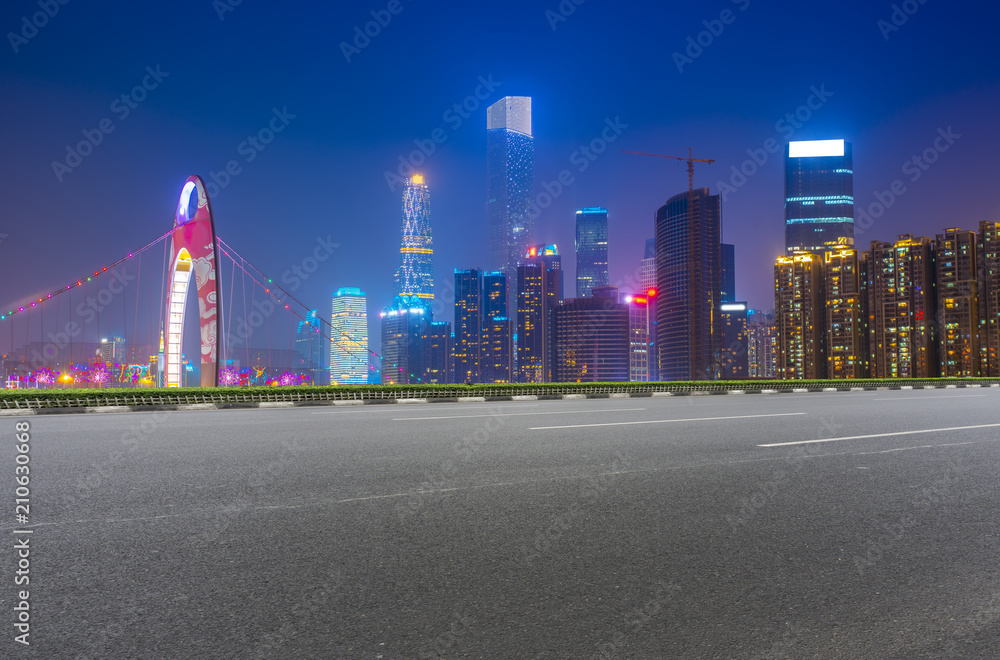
345, 124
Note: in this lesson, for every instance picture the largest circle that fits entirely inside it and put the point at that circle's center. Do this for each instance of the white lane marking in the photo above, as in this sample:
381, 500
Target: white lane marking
663, 421
502, 414
924, 398
386, 407
411, 493
880, 435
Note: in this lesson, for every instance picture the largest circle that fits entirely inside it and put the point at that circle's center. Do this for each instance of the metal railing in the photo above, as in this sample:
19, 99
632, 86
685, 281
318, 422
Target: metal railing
333, 394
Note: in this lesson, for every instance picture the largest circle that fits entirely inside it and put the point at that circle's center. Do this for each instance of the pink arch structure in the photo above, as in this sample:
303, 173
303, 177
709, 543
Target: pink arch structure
193, 253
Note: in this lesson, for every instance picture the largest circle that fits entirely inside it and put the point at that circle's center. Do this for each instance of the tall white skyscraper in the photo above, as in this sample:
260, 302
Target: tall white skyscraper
510, 158
349, 337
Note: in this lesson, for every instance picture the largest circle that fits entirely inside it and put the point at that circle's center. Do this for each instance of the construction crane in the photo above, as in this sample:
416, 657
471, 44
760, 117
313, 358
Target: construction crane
691, 160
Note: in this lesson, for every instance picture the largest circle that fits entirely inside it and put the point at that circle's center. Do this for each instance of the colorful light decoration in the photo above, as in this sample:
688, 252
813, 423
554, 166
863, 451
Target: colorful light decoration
229, 377
98, 375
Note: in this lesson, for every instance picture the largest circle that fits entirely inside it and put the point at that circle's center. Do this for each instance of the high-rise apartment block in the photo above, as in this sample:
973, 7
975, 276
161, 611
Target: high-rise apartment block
799, 316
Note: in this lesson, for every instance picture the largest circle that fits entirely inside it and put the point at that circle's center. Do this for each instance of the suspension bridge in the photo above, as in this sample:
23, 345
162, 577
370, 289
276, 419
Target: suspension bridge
126, 324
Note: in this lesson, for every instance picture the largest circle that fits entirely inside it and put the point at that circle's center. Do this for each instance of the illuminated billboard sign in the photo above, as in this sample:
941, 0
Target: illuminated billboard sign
815, 148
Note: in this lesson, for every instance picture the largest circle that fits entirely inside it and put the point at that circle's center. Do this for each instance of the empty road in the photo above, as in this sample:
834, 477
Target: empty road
823, 525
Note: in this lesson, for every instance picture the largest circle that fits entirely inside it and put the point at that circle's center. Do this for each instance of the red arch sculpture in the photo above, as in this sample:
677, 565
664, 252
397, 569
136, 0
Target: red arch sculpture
193, 253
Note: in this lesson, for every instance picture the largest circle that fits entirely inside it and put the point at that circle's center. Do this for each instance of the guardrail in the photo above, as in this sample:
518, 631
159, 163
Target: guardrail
500, 391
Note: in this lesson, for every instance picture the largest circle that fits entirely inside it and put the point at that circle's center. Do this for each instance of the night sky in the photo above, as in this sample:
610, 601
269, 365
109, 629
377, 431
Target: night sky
222, 73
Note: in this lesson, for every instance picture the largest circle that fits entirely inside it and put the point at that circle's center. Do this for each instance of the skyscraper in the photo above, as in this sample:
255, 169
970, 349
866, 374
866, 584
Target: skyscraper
648, 284
762, 343
548, 256
494, 294
728, 273
113, 350
310, 342
591, 250
639, 326
539, 281
591, 339
957, 281
510, 156
468, 345
405, 324
900, 305
689, 282
734, 362
349, 337
846, 336
437, 346
989, 299
819, 194
415, 276
497, 337
799, 316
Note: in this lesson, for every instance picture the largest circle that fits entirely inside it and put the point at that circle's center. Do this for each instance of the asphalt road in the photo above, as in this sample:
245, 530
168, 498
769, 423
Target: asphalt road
620, 528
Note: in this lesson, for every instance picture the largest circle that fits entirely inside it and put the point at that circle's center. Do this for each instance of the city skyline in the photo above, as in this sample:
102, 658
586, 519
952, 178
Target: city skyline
329, 161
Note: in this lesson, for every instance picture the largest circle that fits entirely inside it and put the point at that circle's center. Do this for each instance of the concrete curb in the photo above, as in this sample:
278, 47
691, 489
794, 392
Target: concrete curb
188, 407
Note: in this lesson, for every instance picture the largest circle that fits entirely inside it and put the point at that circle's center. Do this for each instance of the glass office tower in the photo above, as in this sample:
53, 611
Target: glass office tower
819, 195
689, 285
510, 158
591, 250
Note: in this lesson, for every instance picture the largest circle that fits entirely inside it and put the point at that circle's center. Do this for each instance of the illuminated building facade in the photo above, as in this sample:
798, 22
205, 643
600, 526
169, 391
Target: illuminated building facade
900, 306
497, 350
647, 283
819, 194
437, 347
510, 157
548, 256
846, 333
989, 299
799, 316
497, 337
310, 342
591, 250
415, 276
539, 282
734, 356
591, 340
762, 344
113, 350
468, 326
689, 281
348, 337
957, 280
640, 327
405, 323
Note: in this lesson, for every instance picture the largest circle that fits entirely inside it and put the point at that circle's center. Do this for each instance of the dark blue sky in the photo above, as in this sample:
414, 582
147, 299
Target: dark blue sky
324, 174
